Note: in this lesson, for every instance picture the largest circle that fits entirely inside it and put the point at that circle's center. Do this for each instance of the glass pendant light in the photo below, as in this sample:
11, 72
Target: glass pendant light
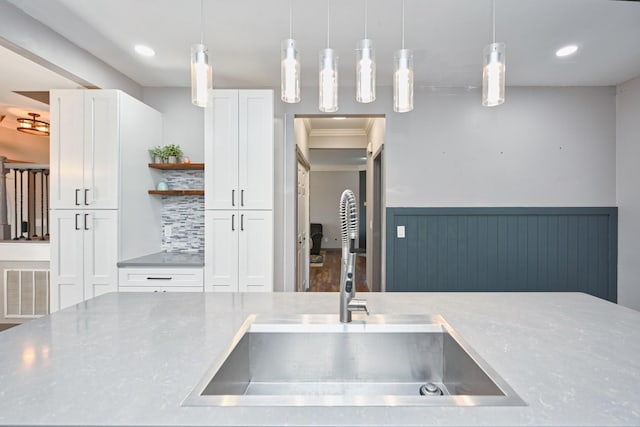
403, 77
201, 74
365, 67
328, 84
493, 68
289, 67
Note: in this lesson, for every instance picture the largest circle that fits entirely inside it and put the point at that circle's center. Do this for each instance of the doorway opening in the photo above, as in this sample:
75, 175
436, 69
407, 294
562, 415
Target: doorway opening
333, 154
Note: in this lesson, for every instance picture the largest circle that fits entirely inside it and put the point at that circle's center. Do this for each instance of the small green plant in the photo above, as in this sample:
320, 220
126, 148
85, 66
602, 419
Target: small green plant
171, 150
156, 152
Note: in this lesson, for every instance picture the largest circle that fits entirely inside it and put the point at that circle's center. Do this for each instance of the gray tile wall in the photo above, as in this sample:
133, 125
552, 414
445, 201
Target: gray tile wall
184, 214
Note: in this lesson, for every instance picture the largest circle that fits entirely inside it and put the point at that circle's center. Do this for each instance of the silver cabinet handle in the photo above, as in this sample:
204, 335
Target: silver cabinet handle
86, 192
77, 215
233, 197
233, 222
86, 217
158, 278
241, 197
77, 191
242, 222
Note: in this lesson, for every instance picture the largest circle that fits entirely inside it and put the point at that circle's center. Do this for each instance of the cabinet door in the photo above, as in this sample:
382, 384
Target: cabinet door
100, 189
66, 259
66, 149
255, 164
221, 151
255, 270
100, 252
221, 251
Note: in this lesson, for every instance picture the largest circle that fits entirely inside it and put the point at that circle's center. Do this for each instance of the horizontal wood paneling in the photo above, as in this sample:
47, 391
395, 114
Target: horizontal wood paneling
503, 249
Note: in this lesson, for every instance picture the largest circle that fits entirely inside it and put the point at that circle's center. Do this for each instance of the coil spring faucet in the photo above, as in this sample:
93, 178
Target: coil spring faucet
349, 230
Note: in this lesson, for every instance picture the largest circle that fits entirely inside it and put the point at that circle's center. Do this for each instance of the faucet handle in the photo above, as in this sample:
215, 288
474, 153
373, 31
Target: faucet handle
358, 305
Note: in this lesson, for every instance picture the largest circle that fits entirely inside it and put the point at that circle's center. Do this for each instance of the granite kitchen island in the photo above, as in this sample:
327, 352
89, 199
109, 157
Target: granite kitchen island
131, 359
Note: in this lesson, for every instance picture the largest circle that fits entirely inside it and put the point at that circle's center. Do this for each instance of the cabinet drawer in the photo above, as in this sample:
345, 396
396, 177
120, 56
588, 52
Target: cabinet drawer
161, 289
161, 277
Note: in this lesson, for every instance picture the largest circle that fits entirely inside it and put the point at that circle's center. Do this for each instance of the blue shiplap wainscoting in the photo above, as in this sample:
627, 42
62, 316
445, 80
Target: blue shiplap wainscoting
503, 250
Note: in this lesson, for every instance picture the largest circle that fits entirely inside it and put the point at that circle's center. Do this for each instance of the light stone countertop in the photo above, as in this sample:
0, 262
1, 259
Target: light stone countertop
131, 359
165, 259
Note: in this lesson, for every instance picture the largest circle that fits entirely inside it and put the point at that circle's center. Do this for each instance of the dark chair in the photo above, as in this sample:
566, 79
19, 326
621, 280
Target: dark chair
316, 238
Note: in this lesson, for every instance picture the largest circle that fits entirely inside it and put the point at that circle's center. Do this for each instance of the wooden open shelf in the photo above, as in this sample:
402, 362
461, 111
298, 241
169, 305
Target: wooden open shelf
177, 166
177, 192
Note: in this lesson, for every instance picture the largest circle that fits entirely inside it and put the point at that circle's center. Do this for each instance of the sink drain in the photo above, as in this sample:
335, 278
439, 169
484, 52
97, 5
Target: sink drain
430, 389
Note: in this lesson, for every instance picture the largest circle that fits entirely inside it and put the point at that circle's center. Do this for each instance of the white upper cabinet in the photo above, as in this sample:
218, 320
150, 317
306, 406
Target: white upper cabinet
255, 149
239, 150
84, 149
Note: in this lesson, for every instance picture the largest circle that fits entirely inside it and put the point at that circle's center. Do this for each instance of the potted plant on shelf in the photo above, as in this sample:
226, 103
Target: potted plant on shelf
156, 154
172, 152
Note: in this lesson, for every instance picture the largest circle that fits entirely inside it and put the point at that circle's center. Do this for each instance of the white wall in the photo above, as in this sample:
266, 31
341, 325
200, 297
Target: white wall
628, 192
20, 146
543, 147
325, 189
182, 122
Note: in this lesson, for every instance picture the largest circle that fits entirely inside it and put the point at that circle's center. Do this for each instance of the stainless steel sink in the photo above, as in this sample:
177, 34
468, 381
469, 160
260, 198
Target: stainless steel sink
314, 360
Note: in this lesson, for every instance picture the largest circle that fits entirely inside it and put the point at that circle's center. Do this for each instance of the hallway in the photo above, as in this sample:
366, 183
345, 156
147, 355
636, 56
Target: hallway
327, 277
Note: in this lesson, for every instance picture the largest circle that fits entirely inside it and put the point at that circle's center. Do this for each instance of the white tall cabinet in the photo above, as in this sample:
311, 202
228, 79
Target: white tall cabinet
95, 195
239, 191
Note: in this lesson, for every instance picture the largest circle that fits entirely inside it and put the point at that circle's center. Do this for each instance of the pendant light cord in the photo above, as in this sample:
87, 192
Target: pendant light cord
328, 13
402, 24
201, 21
493, 18
290, 20
365, 18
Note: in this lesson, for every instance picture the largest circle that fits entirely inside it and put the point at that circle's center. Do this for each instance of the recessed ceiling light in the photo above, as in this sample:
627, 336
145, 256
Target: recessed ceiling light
339, 118
566, 50
144, 50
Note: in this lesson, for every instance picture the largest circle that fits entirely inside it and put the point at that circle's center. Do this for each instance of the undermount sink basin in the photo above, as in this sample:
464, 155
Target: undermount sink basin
381, 360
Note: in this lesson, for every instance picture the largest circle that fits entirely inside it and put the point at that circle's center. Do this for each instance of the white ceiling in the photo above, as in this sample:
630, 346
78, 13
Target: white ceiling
20, 74
447, 36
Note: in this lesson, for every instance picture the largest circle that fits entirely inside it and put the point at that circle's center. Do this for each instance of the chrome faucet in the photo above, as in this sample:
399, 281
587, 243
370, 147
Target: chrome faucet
349, 225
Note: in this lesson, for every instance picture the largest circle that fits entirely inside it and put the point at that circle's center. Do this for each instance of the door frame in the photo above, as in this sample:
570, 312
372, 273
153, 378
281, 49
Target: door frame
302, 161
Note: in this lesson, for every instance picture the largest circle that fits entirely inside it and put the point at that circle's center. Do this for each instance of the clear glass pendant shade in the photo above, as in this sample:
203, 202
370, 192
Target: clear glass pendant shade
289, 72
493, 74
365, 71
403, 81
328, 92
201, 75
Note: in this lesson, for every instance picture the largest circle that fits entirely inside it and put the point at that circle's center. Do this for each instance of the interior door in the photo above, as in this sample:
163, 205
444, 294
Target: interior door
302, 282
376, 282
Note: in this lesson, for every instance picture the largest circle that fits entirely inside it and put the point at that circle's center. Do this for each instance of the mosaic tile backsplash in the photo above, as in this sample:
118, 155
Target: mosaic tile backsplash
183, 214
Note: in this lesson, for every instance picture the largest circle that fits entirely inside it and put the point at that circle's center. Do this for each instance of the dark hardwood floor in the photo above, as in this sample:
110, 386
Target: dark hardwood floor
327, 277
